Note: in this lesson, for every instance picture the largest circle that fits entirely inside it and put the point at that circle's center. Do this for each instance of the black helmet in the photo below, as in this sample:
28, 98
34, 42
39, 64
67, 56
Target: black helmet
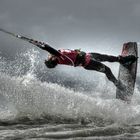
51, 63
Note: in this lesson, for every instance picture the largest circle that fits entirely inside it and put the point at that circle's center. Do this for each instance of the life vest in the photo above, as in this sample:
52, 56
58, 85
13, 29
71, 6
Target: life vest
73, 57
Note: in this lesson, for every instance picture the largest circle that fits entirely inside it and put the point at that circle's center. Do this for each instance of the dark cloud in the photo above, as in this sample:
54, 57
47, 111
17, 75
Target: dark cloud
100, 25
91, 16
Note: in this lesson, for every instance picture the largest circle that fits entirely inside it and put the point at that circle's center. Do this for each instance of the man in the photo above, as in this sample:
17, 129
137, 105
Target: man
89, 61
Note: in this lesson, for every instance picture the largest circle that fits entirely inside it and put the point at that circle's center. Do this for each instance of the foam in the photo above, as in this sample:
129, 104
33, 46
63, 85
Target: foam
27, 96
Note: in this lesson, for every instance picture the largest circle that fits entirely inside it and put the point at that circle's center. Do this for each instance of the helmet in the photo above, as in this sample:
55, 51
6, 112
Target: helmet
50, 63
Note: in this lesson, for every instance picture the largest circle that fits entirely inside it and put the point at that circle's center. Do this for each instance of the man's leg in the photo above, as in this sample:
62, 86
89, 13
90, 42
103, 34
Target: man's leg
104, 57
97, 66
125, 60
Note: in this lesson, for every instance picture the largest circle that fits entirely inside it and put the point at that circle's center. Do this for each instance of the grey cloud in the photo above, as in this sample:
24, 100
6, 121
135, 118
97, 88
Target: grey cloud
101, 24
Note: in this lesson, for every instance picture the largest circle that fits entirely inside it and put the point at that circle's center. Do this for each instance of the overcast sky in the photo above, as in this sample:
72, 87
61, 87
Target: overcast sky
93, 25
72, 23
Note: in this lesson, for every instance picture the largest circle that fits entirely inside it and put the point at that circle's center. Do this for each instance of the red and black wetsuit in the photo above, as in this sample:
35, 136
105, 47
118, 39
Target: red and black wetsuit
69, 57
73, 57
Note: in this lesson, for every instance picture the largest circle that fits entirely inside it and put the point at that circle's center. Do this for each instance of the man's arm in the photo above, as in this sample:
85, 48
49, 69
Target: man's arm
41, 45
46, 47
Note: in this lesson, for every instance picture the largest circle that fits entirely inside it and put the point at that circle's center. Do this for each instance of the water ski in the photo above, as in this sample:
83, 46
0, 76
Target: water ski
127, 73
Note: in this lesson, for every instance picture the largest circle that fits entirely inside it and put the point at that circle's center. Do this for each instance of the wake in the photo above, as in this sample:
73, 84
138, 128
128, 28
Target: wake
31, 98
24, 95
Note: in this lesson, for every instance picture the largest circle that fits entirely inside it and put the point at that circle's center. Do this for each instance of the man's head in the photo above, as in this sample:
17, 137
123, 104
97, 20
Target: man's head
51, 62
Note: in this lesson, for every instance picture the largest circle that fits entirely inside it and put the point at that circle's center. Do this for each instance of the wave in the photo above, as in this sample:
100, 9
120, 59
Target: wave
26, 96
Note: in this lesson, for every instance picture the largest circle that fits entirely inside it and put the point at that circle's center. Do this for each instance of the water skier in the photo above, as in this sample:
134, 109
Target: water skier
89, 61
